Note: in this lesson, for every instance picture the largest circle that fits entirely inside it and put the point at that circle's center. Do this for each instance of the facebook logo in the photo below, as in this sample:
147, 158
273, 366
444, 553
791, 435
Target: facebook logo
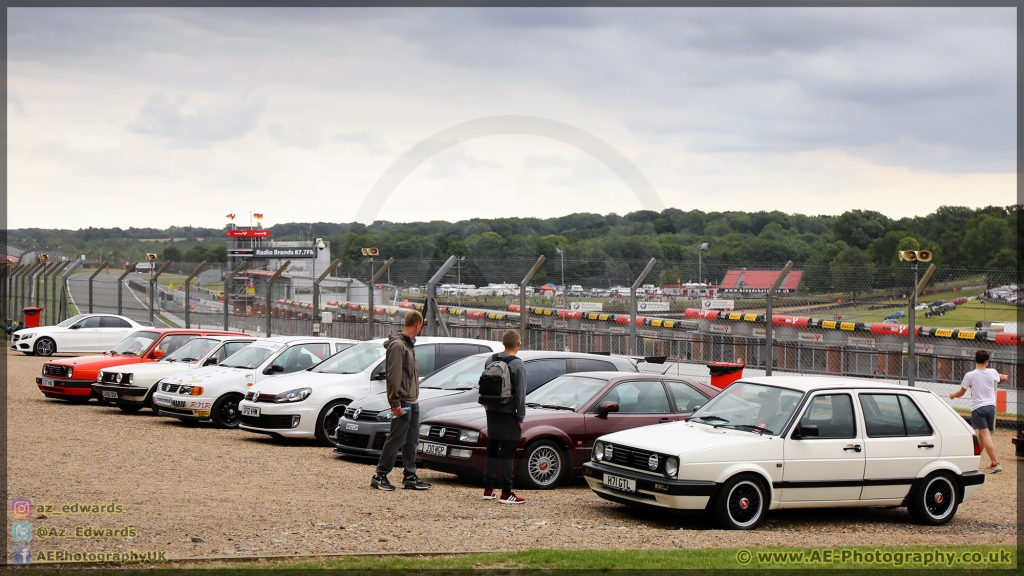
21, 531
21, 554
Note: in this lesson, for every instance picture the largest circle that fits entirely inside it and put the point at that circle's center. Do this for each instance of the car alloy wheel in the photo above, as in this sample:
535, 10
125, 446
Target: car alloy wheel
327, 423
741, 503
543, 464
936, 501
44, 347
225, 413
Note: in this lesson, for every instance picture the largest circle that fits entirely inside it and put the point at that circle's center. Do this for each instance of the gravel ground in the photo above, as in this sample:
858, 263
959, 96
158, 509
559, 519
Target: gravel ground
199, 492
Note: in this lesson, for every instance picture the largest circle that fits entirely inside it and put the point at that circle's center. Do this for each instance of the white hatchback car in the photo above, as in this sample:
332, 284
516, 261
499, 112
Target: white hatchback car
131, 386
310, 404
796, 442
213, 392
81, 333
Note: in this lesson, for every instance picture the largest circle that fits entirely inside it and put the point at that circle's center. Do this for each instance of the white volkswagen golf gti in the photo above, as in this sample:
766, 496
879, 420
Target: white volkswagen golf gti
213, 392
310, 404
796, 442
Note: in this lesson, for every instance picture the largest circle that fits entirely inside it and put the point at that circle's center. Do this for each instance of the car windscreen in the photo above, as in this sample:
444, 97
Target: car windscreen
753, 407
253, 355
462, 374
71, 321
569, 392
136, 344
352, 360
192, 351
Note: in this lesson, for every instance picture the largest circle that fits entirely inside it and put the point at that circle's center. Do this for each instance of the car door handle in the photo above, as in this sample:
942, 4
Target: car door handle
664, 420
854, 447
923, 445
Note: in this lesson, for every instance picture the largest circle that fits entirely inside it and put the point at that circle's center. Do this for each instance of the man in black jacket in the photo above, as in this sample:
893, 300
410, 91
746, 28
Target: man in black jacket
505, 424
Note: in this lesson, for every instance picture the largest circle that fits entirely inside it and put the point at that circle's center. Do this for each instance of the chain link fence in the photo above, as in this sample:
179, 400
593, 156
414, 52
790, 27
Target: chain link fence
848, 320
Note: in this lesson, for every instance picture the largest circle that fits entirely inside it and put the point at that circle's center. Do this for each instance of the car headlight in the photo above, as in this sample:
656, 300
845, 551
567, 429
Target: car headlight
386, 415
26, 336
127, 378
470, 436
598, 453
671, 466
424, 429
297, 395
191, 390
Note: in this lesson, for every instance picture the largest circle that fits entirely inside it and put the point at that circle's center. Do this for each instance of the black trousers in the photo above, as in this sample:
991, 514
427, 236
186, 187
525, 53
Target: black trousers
500, 454
404, 435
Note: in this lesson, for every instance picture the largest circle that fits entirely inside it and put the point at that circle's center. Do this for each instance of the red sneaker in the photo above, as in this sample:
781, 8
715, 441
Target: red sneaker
511, 498
489, 494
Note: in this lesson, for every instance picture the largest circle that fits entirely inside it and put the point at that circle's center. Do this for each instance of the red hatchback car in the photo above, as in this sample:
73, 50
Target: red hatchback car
563, 419
72, 378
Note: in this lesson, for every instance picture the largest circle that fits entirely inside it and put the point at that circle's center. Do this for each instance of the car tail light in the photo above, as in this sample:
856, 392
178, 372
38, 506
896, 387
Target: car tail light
977, 446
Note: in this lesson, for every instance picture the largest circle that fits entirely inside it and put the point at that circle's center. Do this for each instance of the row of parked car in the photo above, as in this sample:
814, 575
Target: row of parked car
638, 438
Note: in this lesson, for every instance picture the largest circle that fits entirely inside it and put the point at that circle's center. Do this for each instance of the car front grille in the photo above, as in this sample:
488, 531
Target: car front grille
55, 370
368, 415
637, 459
169, 387
354, 440
268, 422
108, 377
449, 433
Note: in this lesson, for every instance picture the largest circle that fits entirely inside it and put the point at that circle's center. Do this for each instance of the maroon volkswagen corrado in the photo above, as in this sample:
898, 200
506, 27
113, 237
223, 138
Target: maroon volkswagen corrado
563, 418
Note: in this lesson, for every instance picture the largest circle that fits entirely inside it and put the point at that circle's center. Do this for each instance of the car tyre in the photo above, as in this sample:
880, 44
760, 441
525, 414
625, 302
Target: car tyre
130, 408
936, 501
327, 423
225, 412
44, 347
742, 503
543, 465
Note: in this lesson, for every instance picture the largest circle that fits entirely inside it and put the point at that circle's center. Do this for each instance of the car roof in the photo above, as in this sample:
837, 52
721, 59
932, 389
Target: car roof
812, 383
222, 337
526, 355
441, 340
286, 339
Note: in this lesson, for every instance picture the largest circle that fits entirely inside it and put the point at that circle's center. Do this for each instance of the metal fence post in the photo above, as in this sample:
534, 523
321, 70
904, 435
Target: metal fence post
188, 287
152, 287
911, 329
523, 319
316, 293
120, 285
52, 302
431, 313
632, 304
770, 359
373, 280
20, 301
227, 286
37, 279
270, 291
93, 275
44, 292
26, 286
64, 290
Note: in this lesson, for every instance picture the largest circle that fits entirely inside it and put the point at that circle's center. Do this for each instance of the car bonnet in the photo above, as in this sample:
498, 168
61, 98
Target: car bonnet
306, 379
681, 438
208, 375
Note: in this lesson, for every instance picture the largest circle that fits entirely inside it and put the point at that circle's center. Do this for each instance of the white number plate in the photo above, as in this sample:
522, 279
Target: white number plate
619, 483
250, 411
48, 382
435, 449
110, 394
351, 426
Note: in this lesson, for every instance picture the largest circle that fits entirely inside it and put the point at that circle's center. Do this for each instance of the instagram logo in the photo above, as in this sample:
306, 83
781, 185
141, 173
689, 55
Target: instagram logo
21, 508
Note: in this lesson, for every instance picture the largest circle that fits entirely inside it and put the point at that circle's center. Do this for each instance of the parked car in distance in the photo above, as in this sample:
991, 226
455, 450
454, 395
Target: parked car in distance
961, 300
796, 442
82, 333
213, 392
563, 418
896, 314
72, 378
130, 387
366, 422
309, 404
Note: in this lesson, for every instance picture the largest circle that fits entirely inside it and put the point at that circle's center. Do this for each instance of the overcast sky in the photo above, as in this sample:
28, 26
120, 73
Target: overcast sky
180, 116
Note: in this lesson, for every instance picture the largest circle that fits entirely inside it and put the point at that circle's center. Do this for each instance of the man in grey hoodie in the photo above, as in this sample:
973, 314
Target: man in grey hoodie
403, 391
505, 424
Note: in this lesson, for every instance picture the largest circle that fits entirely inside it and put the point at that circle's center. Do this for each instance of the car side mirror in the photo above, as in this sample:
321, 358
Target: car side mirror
805, 431
210, 362
274, 368
380, 374
157, 354
74, 327
606, 407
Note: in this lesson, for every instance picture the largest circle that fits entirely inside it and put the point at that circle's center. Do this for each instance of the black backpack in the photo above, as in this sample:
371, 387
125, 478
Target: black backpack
496, 383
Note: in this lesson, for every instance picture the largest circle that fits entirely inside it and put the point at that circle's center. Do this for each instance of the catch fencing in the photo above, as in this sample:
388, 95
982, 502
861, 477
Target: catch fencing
826, 319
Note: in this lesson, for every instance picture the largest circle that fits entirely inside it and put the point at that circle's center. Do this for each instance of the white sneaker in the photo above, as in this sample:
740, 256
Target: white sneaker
995, 469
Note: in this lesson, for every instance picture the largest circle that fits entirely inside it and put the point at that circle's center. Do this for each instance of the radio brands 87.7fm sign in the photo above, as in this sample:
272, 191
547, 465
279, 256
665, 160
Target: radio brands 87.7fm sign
279, 252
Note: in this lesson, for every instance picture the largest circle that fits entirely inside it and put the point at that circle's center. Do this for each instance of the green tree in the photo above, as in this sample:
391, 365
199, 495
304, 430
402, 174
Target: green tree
172, 253
852, 271
859, 227
984, 237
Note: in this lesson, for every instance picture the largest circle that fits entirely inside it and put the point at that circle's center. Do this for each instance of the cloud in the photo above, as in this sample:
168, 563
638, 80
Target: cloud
297, 134
188, 127
15, 102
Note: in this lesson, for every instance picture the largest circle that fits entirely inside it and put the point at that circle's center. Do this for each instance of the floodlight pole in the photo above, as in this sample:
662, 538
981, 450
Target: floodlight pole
188, 287
911, 336
524, 320
431, 313
227, 284
92, 277
632, 304
373, 280
270, 291
120, 286
768, 344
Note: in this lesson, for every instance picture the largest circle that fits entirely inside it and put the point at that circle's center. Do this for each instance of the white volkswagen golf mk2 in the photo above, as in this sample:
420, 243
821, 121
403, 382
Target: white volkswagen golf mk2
796, 442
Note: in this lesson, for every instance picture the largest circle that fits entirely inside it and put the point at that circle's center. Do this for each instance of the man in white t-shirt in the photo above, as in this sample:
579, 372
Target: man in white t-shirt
982, 382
